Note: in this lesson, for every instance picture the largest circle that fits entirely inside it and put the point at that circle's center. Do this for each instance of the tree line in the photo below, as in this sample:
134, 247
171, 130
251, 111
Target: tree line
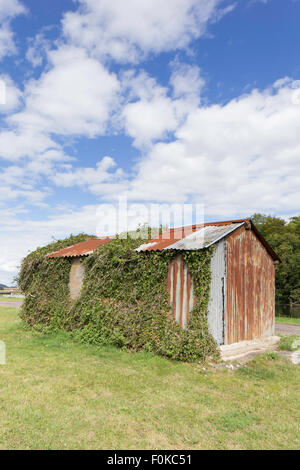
284, 238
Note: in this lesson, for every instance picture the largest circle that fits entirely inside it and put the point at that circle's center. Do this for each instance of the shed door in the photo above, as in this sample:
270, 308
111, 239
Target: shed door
181, 291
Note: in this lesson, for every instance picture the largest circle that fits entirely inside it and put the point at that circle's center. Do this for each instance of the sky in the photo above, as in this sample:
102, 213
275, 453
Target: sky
185, 101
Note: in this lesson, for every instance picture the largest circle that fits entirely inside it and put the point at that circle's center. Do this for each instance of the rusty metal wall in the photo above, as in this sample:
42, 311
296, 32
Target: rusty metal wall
181, 291
250, 288
217, 292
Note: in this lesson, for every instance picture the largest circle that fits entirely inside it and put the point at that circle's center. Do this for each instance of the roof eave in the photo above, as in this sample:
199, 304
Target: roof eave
265, 243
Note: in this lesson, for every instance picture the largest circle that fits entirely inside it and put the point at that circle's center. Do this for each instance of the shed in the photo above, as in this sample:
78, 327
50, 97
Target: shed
242, 290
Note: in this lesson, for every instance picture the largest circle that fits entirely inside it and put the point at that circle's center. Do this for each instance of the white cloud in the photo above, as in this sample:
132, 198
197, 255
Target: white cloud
153, 111
148, 120
236, 159
8, 10
130, 30
37, 50
76, 96
25, 182
89, 177
187, 82
11, 94
15, 144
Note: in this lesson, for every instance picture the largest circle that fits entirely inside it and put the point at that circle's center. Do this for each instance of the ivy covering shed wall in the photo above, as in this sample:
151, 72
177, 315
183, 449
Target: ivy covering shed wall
123, 301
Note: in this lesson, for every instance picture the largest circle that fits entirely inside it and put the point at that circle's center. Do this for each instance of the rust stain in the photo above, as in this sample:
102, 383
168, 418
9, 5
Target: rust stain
181, 291
250, 291
173, 235
80, 249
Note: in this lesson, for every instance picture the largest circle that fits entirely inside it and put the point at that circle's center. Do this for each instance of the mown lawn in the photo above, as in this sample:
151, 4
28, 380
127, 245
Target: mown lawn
293, 321
10, 299
58, 394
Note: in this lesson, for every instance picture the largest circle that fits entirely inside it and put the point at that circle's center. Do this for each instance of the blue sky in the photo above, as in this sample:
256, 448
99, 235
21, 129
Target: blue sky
187, 101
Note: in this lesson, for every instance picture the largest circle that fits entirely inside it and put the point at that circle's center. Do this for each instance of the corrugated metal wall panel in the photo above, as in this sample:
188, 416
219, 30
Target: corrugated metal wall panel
181, 291
217, 293
250, 288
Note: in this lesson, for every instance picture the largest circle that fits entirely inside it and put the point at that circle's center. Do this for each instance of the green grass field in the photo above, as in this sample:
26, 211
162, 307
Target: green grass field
10, 299
59, 394
293, 321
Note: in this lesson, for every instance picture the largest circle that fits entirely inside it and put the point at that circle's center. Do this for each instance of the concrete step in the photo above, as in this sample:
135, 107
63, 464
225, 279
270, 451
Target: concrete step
236, 351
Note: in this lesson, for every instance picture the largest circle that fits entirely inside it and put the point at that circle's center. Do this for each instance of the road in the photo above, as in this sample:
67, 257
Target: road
4, 303
287, 329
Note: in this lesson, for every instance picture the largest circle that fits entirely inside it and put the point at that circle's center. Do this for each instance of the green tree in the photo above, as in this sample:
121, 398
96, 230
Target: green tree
284, 238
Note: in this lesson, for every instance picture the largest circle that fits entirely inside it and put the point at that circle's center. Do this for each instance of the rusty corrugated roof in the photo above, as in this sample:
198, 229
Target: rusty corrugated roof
203, 238
193, 237
197, 237
80, 249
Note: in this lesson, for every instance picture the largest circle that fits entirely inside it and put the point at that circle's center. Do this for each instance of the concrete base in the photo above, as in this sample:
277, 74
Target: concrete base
293, 356
237, 351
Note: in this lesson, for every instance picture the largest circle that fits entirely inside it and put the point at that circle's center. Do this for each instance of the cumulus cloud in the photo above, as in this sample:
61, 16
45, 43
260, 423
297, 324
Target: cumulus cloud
8, 10
132, 29
152, 114
18, 143
154, 111
187, 82
236, 159
10, 95
76, 96
26, 182
37, 50
96, 179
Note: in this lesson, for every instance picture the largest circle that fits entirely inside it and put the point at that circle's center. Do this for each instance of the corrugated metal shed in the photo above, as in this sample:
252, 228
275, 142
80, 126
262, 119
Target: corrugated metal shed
241, 304
242, 289
80, 249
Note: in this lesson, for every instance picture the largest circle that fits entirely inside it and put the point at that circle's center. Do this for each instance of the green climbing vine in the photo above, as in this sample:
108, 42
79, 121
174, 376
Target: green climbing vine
123, 301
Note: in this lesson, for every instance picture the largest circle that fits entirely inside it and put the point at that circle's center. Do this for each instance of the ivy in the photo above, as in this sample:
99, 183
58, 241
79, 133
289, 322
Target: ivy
123, 301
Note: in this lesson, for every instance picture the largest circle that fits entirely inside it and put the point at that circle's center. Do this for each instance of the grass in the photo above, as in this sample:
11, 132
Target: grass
289, 343
59, 394
10, 299
293, 321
